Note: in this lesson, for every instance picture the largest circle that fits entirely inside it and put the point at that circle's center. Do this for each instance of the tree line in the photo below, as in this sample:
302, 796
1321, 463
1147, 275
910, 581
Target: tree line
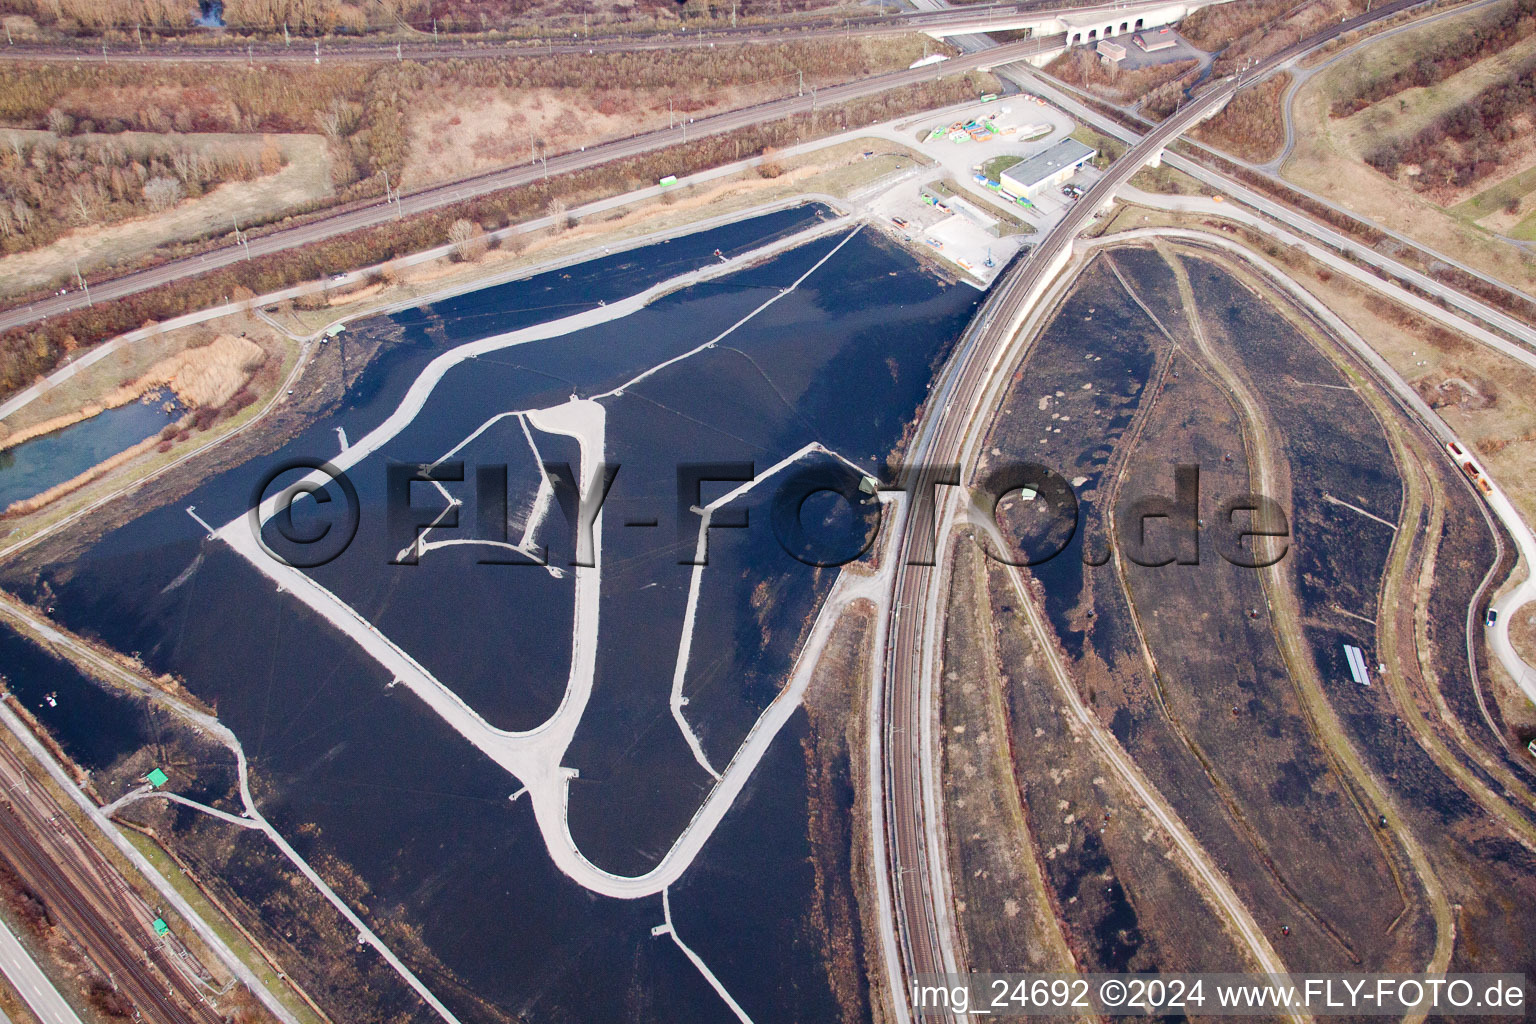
1468, 143
1481, 40
49, 185
29, 351
365, 109
304, 17
326, 17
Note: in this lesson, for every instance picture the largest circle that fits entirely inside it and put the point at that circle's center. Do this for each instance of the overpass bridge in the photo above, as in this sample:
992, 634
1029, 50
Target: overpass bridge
1076, 26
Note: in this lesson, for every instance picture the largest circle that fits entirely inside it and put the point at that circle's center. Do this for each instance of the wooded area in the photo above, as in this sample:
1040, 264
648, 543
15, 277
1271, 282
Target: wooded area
1448, 55
26, 352
298, 16
1251, 126
49, 185
1468, 143
363, 108
1084, 68
353, 17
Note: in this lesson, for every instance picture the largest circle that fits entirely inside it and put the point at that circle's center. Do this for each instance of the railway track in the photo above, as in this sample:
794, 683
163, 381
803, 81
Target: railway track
952, 409
90, 900
373, 213
305, 50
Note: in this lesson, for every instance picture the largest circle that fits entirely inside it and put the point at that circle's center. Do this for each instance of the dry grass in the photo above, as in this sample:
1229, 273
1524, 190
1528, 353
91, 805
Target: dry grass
1325, 164
305, 179
210, 375
1329, 155
206, 376
454, 130
1522, 632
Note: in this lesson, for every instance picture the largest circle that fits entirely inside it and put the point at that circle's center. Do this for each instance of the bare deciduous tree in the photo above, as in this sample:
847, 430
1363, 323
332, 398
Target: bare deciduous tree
59, 122
468, 239
557, 210
162, 193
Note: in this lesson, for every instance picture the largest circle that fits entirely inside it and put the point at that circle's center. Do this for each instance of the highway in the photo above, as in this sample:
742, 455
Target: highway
31, 983
1336, 239
919, 896
375, 213
91, 901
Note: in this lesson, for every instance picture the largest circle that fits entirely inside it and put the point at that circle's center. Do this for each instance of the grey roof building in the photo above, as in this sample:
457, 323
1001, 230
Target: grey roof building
1048, 168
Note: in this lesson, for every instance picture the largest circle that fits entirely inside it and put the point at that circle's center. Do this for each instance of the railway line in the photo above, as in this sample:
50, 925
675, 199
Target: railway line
950, 414
90, 900
306, 50
374, 213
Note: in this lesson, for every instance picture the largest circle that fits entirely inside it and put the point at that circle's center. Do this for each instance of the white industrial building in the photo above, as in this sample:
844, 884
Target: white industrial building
1047, 169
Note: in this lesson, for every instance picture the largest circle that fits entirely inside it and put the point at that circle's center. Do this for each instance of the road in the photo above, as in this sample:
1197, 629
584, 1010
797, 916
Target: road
940, 439
1300, 75
1062, 96
929, 18
31, 983
374, 214
919, 895
91, 901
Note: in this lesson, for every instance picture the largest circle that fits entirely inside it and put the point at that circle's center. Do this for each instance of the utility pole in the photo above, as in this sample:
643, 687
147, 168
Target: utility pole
399, 55
434, 31
138, 30
802, 79
317, 51
671, 122
8, 40
86, 285
286, 41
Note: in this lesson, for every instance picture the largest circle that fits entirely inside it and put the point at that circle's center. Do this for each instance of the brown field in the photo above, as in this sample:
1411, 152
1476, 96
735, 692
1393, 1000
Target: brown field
304, 180
1522, 632
1330, 153
1007, 913
1241, 720
454, 128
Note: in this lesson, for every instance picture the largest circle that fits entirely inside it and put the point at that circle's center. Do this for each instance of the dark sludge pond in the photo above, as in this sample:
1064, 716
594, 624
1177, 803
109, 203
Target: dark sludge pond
355, 768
